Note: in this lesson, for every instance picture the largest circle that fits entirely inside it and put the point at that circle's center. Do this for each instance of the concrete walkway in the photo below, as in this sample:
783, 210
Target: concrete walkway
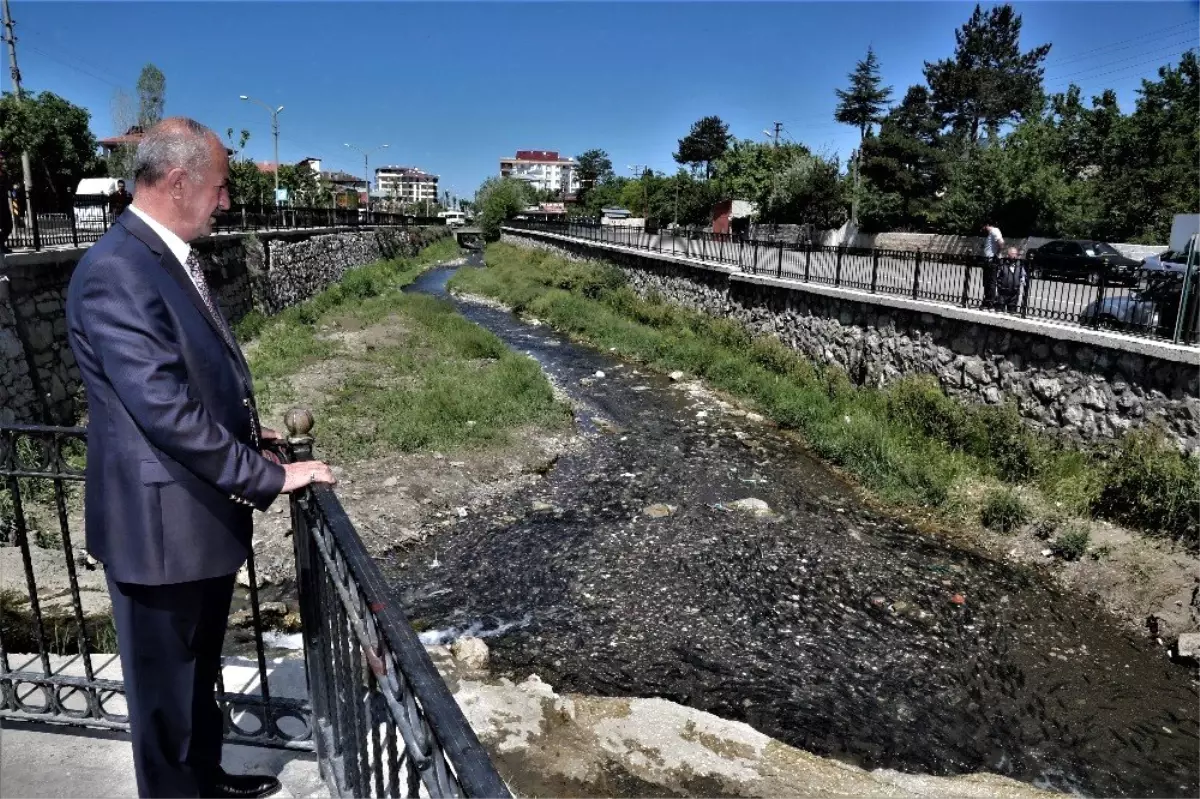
39, 759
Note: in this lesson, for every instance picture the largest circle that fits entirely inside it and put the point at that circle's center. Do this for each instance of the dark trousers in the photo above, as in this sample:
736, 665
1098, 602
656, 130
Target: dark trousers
989, 282
170, 639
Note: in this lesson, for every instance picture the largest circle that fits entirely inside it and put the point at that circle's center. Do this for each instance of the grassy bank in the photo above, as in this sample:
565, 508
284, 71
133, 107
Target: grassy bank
426, 379
910, 444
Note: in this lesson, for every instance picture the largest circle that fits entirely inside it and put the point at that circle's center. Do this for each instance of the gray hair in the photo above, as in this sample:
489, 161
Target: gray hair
176, 142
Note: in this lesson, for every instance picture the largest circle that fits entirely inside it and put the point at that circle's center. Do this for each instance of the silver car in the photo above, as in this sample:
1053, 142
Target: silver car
1142, 309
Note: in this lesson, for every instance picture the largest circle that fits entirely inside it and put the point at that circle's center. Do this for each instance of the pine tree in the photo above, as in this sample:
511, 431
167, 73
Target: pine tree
989, 81
863, 104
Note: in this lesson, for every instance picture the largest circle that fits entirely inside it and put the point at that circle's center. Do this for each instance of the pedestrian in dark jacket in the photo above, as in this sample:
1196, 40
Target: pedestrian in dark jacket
1010, 281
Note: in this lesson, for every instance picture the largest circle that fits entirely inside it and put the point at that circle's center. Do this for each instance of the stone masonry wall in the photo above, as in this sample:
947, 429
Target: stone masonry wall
267, 273
1083, 391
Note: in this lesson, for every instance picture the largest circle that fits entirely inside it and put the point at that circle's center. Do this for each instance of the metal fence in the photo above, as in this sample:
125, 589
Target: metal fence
1156, 304
378, 715
80, 221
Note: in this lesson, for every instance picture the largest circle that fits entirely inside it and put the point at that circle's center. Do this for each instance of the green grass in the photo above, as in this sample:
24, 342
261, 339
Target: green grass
910, 443
1004, 511
447, 383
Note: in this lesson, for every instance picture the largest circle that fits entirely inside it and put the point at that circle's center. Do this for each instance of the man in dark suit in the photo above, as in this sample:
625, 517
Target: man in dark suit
174, 467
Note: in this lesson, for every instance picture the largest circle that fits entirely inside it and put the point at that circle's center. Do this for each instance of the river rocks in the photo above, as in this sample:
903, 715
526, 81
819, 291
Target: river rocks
471, 653
658, 510
752, 506
552, 744
676, 375
1187, 647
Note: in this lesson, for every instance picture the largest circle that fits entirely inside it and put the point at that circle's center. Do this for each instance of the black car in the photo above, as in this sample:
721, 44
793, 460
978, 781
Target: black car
1075, 259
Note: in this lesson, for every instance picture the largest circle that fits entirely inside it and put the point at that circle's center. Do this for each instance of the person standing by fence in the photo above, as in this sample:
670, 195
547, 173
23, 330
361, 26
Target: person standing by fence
175, 462
993, 246
1010, 281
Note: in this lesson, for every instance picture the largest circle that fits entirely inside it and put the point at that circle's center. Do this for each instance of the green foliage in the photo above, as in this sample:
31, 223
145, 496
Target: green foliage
911, 442
989, 81
61, 146
497, 200
786, 182
706, 142
1072, 543
152, 96
1148, 484
593, 167
862, 104
903, 167
1003, 511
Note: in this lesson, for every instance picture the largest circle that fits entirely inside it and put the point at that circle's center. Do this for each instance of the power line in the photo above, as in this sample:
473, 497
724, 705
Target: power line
78, 69
1136, 68
1091, 70
1125, 44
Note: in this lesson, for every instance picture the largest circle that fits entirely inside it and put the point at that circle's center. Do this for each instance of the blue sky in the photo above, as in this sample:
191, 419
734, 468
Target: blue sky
452, 87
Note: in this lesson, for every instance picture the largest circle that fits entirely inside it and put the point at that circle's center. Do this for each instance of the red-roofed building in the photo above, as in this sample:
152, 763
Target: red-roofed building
545, 170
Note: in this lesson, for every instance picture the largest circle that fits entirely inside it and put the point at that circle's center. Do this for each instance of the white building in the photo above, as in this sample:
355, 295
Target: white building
542, 169
406, 184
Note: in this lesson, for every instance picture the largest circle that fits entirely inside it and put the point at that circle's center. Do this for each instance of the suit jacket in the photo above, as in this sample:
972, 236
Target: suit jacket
173, 467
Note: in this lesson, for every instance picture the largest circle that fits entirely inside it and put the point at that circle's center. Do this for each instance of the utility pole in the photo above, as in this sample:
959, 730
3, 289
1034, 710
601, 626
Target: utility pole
15, 73
775, 134
366, 171
274, 131
639, 172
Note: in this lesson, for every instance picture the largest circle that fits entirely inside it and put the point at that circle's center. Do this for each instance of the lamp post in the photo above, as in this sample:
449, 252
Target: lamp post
274, 132
366, 174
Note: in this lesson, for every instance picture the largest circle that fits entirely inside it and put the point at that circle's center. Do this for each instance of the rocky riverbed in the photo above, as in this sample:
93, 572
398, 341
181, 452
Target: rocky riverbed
629, 571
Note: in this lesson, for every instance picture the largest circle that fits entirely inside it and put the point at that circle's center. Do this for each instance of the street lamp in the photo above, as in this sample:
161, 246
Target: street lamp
366, 174
275, 132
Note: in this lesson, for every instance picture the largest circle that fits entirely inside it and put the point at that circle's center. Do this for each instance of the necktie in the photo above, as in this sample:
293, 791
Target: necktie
196, 273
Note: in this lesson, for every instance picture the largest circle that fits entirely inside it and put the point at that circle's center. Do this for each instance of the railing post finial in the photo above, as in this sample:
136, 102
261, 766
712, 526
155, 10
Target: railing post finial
299, 423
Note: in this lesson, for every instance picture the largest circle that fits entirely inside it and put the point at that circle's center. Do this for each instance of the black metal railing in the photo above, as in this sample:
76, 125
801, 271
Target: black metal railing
58, 658
378, 715
1155, 304
81, 220
385, 722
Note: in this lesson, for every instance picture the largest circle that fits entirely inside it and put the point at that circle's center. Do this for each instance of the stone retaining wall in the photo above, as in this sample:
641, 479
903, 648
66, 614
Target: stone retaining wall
1083, 384
265, 272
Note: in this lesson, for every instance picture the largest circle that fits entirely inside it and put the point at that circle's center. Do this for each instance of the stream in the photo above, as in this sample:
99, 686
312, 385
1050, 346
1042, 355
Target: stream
827, 625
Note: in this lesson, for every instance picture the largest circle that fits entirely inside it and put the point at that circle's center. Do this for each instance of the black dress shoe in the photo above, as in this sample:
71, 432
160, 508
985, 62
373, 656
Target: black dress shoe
241, 786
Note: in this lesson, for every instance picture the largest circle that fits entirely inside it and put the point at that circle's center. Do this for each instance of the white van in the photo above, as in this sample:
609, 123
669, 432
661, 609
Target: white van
91, 201
454, 218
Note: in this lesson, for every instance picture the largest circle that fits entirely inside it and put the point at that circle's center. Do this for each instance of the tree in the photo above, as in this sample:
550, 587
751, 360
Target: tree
152, 96
807, 190
706, 142
989, 81
55, 132
904, 167
593, 166
120, 161
863, 103
498, 200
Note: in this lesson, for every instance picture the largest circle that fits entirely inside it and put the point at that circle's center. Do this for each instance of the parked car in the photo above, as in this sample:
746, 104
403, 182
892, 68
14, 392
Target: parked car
1153, 305
1076, 259
1168, 261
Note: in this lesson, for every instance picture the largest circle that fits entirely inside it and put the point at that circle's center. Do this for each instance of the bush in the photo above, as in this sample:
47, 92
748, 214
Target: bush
249, 326
1148, 485
1003, 511
1072, 544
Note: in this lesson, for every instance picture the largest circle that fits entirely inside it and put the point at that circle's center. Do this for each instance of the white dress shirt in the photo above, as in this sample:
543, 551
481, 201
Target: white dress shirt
178, 247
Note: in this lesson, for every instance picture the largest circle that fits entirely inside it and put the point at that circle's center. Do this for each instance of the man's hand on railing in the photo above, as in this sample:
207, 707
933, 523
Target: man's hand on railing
302, 474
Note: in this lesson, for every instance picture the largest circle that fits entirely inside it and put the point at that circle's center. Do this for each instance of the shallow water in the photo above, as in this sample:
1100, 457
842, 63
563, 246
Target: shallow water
828, 625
